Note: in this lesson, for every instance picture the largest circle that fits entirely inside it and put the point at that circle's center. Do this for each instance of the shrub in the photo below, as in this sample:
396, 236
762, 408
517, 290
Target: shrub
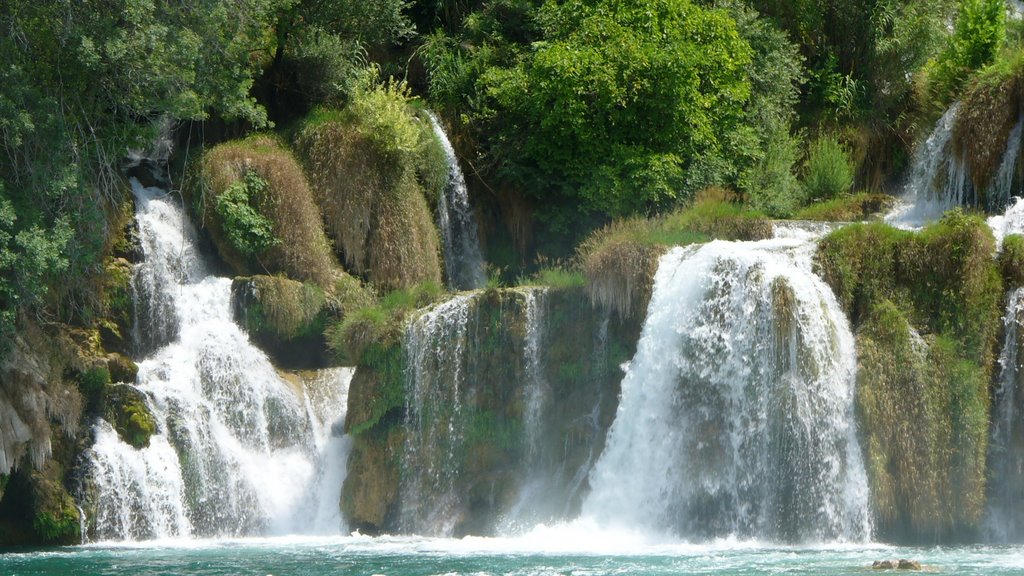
827, 173
248, 231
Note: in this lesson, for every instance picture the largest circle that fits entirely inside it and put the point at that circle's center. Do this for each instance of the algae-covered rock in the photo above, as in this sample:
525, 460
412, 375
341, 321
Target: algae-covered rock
56, 519
121, 368
485, 394
1011, 261
128, 413
255, 201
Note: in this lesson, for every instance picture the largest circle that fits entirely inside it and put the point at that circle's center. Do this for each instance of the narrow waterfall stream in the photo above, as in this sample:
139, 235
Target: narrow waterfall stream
938, 180
238, 450
1005, 514
463, 262
736, 416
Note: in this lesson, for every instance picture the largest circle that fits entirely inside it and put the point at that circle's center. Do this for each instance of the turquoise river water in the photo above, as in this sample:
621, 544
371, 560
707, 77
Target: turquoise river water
540, 553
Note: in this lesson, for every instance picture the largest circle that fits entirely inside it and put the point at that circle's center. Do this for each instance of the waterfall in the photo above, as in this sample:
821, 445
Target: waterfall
237, 447
1001, 190
536, 389
938, 180
736, 415
464, 264
435, 350
1004, 522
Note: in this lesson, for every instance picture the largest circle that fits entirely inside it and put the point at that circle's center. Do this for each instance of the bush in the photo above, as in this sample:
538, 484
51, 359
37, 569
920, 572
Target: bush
248, 231
827, 173
979, 33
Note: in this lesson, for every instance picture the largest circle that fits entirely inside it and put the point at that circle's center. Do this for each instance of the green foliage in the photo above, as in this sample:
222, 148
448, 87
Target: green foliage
979, 33
249, 232
577, 120
283, 307
828, 173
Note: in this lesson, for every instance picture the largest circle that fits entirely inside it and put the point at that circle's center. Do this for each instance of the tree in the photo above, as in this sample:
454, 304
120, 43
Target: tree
608, 111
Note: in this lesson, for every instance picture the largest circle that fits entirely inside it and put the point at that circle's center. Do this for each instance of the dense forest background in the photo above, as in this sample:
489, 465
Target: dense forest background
568, 114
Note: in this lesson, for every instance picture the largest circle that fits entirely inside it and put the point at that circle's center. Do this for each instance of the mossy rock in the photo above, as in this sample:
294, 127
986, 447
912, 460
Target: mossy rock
55, 518
369, 496
122, 369
126, 409
118, 310
988, 112
851, 208
375, 206
926, 308
284, 317
1011, 261
298, 246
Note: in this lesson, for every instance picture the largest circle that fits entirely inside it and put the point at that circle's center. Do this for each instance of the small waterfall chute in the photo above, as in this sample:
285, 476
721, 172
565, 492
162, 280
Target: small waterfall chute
1005, 515
463, 261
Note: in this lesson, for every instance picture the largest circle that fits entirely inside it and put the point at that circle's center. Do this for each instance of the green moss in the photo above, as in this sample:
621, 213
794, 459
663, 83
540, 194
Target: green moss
285, 308
556, 277
55, 517
926, 307
851, 208
127, 411
377, 389
1011, 261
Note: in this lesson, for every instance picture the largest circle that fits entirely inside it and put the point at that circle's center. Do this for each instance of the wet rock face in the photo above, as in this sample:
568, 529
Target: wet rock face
489, 416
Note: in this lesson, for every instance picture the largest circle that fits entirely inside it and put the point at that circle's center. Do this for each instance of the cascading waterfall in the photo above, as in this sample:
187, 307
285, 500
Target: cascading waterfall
938, 181
1005, 517
464, 264
237, 447
736, 415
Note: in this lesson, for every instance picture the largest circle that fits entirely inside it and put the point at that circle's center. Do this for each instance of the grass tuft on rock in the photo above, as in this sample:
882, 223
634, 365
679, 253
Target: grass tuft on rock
619, 260
260, 211
374, 166
851, 208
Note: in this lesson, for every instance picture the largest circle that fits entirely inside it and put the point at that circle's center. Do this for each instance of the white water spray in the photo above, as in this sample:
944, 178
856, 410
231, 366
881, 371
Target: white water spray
736, 414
